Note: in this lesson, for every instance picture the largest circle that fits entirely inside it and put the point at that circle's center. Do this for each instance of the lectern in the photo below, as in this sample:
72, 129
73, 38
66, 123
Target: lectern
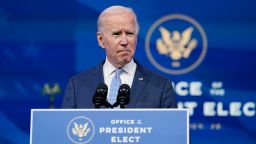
107, 126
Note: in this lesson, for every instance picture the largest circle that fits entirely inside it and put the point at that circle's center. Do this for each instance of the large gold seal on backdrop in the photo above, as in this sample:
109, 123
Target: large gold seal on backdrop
176, 44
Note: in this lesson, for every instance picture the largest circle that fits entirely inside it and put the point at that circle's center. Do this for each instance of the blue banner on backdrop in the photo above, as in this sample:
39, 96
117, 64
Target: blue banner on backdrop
207, 49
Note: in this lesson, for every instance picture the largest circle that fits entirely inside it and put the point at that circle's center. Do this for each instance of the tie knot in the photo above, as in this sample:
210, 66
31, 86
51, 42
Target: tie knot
118, 72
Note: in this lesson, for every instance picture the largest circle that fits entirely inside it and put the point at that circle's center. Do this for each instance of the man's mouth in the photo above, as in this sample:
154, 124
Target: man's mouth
124, 51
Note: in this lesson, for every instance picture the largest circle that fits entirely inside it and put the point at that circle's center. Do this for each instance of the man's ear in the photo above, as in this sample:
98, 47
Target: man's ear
100, 39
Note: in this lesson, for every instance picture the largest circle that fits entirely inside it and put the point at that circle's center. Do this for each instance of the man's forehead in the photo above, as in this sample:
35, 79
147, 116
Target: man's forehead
117, 16
121, 26
114, 23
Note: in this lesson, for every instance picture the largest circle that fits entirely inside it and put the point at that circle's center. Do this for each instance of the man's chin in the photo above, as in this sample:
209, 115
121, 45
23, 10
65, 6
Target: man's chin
126, 59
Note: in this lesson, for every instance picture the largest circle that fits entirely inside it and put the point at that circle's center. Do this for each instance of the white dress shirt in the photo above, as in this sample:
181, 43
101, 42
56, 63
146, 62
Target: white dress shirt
126, 76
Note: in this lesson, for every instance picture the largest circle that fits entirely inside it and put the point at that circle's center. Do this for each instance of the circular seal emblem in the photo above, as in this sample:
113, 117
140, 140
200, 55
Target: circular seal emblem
176, 44
80, 130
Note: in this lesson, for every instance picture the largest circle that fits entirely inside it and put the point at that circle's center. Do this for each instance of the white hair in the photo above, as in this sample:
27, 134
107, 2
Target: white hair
115, 9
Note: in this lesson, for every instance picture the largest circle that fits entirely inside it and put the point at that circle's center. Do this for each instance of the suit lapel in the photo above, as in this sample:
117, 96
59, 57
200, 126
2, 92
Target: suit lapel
97, 76
139, 83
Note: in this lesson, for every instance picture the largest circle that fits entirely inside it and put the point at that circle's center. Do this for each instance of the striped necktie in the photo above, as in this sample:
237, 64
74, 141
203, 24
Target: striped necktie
114, 86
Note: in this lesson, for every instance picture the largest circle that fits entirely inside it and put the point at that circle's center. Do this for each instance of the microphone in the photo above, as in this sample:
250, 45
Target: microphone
100, 96
123, 97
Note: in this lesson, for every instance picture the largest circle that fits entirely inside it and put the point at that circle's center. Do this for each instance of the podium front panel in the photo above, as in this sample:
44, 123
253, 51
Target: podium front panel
105, 126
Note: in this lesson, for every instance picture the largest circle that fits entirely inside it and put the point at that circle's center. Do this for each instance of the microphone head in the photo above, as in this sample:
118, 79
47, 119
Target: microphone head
124, 89
100, 95
123, 97
102, 89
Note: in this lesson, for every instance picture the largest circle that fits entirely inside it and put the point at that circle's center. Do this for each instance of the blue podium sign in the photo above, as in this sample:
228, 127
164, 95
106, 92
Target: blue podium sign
105, 126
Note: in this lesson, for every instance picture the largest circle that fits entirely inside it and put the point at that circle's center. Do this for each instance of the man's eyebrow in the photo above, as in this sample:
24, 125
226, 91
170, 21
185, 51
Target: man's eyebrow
130, 31
115, 30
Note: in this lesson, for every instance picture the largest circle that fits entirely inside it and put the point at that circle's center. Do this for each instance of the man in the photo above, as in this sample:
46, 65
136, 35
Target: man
117, 34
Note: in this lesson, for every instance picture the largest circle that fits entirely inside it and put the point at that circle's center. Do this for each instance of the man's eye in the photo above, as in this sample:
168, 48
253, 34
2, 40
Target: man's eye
116, 33
130, 33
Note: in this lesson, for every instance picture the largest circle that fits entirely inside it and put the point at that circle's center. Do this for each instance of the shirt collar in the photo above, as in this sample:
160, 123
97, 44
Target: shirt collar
108, 68
130, 67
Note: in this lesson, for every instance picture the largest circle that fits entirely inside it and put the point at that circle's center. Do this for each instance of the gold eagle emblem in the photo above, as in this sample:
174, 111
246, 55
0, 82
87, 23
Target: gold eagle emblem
80, 130
176, 45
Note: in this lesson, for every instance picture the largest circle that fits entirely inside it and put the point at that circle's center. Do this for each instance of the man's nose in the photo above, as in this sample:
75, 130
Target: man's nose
124, 40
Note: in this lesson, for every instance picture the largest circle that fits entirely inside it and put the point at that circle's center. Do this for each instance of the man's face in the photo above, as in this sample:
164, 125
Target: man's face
119, 38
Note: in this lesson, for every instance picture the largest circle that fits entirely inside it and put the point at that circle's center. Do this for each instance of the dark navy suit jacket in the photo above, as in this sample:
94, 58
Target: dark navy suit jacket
148, 90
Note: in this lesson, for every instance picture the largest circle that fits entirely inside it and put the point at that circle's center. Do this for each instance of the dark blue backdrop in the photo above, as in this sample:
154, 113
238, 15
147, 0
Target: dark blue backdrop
47, 41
